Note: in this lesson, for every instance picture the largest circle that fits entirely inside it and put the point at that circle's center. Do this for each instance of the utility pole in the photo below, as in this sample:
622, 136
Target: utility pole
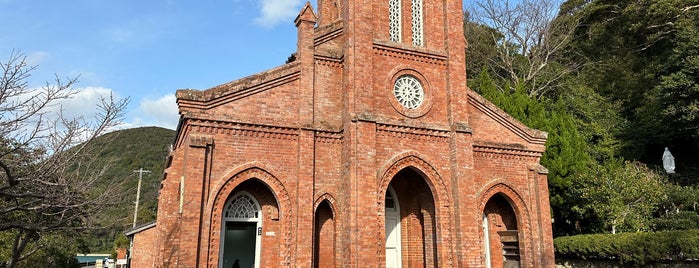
138, 192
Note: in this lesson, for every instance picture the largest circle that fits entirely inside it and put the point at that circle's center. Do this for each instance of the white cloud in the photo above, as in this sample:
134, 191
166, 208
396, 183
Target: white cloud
84, 103
81, 106
277, 11
160, 112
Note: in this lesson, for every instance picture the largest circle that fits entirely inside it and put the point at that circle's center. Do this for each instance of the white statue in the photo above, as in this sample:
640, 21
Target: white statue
668, 161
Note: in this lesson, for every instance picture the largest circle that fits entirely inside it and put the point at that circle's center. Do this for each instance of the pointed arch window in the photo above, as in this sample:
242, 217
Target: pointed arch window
394, 20
324, 236
417, 22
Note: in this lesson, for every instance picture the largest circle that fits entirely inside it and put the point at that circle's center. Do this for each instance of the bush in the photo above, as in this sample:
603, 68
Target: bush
631, 248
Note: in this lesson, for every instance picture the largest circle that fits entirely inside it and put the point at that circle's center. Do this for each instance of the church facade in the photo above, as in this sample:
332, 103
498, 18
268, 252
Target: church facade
367, 150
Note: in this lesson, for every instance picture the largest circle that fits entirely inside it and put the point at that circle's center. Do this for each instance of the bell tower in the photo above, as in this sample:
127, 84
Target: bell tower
405, 55
402, 86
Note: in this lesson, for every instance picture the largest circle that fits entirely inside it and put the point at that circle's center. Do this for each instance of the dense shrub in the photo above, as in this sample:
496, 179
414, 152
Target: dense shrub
631, 248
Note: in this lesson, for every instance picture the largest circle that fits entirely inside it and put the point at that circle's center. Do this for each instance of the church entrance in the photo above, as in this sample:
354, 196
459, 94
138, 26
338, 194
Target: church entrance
500, 233
410, 221
242, 226
239, 250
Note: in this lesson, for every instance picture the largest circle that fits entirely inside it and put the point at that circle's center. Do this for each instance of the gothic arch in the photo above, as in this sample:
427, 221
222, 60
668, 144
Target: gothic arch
518, 205
234, 175
413, 160
331, 201
440, 201
510, 194
325, 234
223, 190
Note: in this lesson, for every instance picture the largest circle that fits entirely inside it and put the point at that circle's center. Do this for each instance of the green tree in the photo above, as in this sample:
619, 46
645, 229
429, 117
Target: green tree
597, 118
622, 195
677, 92
619, 81
567, 153
643, 55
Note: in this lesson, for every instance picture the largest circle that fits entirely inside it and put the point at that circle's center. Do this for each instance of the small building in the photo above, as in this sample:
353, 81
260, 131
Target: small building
121, 260
367, 150
141, 249
93, 260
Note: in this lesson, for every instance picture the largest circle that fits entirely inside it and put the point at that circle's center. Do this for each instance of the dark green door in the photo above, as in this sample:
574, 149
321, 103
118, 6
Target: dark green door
239, 245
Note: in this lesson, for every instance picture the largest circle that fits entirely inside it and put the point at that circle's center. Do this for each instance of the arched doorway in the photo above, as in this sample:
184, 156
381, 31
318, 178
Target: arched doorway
500, 233
411, 240
324, 236
241, 232
262, 190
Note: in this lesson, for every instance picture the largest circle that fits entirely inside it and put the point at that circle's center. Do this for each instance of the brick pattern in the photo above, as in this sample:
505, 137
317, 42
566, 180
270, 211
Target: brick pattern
330, 11
318, 141
142, 254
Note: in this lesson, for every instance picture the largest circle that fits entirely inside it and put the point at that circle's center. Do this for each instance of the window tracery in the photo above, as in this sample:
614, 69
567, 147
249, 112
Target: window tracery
408, 91
417, 22
394, 20
242, 207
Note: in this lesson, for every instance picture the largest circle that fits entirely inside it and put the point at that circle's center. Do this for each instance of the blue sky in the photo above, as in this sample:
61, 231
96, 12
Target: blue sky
145, 50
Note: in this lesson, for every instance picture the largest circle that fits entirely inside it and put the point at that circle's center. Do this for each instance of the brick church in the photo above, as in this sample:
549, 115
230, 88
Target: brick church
367, 150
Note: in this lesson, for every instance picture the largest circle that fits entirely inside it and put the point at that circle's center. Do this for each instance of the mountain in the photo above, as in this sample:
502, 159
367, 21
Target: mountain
125, 152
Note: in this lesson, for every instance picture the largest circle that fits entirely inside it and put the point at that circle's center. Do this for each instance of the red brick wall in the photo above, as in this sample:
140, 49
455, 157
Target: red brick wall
328, 95
433, 21
318, 141
330, 11
143, 251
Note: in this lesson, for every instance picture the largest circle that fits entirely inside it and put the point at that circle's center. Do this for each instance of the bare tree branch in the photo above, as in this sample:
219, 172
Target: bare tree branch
530, 39
49, 180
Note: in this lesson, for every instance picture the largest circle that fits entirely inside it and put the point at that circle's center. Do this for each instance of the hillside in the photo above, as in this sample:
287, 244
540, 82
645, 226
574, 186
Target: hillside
126, 151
